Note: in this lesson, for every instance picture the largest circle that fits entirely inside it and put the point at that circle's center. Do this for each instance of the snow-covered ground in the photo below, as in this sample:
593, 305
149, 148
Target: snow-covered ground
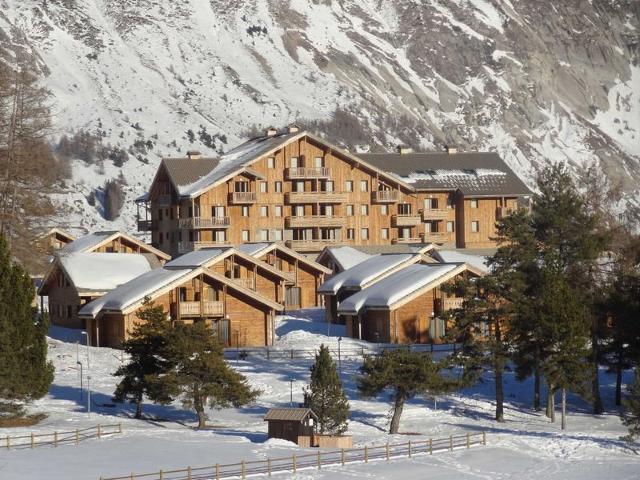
525, 447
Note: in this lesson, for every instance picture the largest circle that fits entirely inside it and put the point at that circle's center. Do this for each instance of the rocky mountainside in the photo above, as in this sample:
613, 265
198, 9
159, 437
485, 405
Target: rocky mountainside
535, 80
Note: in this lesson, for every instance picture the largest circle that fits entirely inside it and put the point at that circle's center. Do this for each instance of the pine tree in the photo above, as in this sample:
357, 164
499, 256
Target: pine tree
140, 375
631, 415
407, 374
25, 373
325, 395
199, 374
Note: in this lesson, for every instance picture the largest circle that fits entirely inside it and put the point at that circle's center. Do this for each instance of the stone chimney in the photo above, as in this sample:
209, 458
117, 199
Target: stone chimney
403, 149
194, 154
451, 149
293, 128
271, 132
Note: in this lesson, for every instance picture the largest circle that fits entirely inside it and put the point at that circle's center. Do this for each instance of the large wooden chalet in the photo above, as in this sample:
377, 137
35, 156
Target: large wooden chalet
296, 188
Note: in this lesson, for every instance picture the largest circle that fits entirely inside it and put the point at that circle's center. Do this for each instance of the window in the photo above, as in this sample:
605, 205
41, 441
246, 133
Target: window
278, 235
349, 210
384, 209
327, 186
351, 234
245, 235
384, 234
450, 227
69, 311
293, 163
218, 212
474, 203
364, 186
271, 162
263, 234
430, 203
219, 236
298, 186
278, 210
475, 226
264, 211
278, 187
348, 186
263, 187
450, 201
318, 162
428, 227
404, 209
364, 209
364, 233
241, 186
160, 214
245, 210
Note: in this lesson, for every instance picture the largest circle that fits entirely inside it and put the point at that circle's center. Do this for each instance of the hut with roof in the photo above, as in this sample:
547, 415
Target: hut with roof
296, 425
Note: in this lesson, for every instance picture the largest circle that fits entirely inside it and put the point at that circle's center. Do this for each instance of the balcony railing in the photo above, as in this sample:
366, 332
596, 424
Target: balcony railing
406, 240
185, 247
240, 198
315, 197
193, 309
164, 200
204, 222
385, 196
295, 173
313, 244
435, 213
405, 220
145, 225
435, 237
249, 283
314, 221
445, 304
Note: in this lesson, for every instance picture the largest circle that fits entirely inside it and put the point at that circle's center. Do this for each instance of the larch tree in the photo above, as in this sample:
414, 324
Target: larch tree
325, 395
140, 376
407, 374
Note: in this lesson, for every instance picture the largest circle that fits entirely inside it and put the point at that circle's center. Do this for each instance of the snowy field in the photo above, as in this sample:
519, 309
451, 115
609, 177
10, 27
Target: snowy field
525, 447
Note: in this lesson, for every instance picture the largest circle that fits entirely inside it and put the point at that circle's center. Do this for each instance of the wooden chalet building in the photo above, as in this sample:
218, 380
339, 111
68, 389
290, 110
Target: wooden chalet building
113, 242
54, 240
296, 188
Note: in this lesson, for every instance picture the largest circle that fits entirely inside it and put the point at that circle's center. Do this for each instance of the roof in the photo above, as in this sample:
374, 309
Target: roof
366, 272
186, 171
95, 240
343, 257
473, 173
259, 249
457, 256
59, 231
289, 414
399, 286
102, 272
397, 248
196, 258
253, 249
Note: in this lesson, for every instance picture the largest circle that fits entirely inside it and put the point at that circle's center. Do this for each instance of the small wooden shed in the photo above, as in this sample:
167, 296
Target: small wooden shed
293, 424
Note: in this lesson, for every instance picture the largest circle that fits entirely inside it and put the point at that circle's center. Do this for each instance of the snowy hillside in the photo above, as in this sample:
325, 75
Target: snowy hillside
535, 80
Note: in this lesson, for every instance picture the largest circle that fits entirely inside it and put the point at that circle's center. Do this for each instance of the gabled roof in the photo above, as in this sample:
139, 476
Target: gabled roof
95, 240
473, 173
58, 231
98, 272
369, 271
197, 258
401, 287
155, 283
289, 414
458, 256
261, 249
343, 257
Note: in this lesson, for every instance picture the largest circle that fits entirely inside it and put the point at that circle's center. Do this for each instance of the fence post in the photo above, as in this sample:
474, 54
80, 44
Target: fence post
387, 451
31, 439
468, 441
189, 473
55, 439
294, 459
77, 436
242, 473
268, 354
451, 442
366, 454
430, 446
484, 438
268, 467
409, 448
161, 475
119, 427
319, 460
342, 456
8, 442
99, 431
292, 353
132, 477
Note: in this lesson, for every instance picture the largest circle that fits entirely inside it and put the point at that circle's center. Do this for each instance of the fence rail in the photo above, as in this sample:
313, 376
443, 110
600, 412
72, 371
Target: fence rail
316, 460
73, 437
344, 353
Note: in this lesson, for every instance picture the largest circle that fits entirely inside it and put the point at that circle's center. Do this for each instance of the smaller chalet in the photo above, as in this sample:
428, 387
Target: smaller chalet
339, 259
306, 274
55, 239
113, 242
404, 307
296, 425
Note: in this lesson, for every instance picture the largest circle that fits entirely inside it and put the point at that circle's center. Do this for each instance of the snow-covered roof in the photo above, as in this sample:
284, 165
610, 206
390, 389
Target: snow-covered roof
397, 286
345, 257
134, 290
88, 242
102, 272
453, 256
253, 249
196, 258
365, 272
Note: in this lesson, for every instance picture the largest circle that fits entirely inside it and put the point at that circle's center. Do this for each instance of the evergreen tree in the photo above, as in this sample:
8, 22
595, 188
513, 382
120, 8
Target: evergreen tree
25, 373
631, 415
325, 395
198, 373
407, 374
140, 375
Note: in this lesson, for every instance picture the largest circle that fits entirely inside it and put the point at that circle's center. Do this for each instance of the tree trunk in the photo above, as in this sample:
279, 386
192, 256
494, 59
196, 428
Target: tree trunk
536, 387
618, 383
397, 412
499, 395
138, 414
598, 408
563, 422
198, 405
551, 407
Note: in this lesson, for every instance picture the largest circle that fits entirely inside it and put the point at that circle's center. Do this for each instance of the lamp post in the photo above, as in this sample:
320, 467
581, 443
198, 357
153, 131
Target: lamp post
237, 332
80, 363
339, 362
89, 395
291, 393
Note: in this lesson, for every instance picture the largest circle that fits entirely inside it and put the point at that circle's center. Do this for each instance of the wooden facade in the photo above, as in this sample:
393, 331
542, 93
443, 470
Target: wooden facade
296, 425
309, 194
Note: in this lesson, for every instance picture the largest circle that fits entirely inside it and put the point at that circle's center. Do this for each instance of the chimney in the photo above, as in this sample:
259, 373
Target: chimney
272, 132
194, 154
293, 128
402, 149
451, 149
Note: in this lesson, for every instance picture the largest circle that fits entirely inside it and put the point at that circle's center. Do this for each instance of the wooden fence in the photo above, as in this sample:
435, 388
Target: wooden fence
317, 460
73, 437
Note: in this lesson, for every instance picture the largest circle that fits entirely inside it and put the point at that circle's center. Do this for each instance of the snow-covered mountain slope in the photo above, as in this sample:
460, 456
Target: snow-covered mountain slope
535, 80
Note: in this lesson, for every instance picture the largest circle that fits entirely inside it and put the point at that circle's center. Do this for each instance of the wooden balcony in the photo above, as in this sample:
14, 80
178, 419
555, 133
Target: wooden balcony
385, 196
445, 304
193, 309
315, 197
299, 173
203, 222
405, 220
406, 240
314, 221
164, 200
435, 214
249, 283
435, 237
185, 247
242, 198
145, 225
313, 244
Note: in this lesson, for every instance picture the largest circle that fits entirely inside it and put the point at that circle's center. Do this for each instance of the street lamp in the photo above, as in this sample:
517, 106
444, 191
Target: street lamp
80, 363
88, 376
